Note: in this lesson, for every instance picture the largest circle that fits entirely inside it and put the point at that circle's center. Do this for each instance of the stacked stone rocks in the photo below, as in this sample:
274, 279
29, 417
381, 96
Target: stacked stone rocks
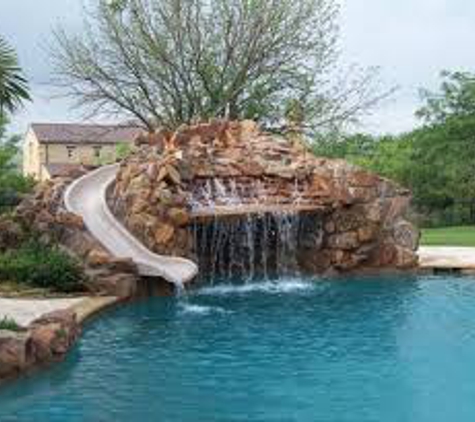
46, 340
43, 214
50, 337
149, 196
158, 194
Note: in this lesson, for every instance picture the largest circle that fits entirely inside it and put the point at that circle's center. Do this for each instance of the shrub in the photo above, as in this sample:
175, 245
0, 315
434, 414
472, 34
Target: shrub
123, 150
40, 266
9, 324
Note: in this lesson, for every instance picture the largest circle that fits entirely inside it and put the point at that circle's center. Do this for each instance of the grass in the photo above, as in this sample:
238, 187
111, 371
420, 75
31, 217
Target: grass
449, 236
9, 324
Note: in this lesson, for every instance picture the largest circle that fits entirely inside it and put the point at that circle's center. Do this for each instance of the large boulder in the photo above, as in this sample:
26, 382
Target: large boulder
46, 340
14, 357
53, 335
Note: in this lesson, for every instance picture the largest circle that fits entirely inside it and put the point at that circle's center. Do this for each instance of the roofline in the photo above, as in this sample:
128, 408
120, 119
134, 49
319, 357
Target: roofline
31, 127
123, 125
80, 142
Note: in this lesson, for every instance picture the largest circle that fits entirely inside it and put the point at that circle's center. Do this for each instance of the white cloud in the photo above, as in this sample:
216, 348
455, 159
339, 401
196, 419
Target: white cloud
411, 40
43, 109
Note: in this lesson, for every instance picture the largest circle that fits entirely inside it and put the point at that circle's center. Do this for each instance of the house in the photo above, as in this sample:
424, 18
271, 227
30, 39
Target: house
53, 149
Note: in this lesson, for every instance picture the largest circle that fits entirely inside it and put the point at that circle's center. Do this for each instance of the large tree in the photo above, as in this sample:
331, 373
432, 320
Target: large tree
167, 62
13, 85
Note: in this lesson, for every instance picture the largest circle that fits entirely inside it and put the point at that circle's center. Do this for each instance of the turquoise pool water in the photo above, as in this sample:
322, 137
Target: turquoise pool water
362, 350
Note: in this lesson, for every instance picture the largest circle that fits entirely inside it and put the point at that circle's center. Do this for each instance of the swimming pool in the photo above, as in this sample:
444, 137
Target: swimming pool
360, 349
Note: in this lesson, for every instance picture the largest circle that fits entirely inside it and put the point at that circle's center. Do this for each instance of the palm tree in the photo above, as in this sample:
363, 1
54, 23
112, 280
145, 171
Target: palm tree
13, 85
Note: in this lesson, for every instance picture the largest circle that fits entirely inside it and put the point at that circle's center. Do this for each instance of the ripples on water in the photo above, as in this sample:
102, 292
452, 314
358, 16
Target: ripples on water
295, 350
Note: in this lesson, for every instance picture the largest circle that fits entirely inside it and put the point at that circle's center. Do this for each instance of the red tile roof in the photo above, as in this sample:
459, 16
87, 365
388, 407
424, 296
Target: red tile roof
52, 133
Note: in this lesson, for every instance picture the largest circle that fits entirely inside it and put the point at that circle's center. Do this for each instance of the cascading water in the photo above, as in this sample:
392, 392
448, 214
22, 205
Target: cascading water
246, 244
256, 246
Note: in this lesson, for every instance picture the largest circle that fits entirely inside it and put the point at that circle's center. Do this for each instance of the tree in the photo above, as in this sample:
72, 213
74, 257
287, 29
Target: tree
13, 92
12, 183
434, 161
170, 62
13, 85
455, 98
446, 141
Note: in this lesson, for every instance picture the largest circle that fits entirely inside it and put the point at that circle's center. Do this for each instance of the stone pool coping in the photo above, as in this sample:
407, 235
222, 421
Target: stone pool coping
91, 306
25, 311
447, 258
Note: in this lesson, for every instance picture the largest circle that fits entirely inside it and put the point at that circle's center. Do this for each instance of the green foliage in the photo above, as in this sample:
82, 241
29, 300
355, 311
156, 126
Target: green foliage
9, 324
13, 92
123, 150
39, 266
13, 85
117, 6
434, 161
444, 171
456, 98
425, 162
12, 183
170, 62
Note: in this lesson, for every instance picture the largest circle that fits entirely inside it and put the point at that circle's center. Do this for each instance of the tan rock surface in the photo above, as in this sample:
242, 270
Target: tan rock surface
197, 171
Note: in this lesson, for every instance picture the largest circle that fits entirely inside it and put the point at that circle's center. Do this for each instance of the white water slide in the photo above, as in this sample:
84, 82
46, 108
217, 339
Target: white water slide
87, 197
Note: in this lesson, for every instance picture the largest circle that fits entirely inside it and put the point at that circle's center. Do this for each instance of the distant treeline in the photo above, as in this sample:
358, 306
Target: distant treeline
436, 161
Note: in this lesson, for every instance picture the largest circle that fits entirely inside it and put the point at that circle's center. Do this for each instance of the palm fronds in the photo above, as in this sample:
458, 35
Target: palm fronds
13, 85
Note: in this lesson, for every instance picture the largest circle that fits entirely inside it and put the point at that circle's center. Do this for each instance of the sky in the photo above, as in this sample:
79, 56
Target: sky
411, 41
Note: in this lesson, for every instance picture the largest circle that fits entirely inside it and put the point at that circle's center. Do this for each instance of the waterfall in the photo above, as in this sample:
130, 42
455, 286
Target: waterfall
287, 245
248, 245
256, 246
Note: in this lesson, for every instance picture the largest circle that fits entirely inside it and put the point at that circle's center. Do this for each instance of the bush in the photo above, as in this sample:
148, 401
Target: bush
43, 267
9, 324
123, 150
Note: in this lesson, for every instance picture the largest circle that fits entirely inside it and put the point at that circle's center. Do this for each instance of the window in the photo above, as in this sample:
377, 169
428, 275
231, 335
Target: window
71, 150
97, 151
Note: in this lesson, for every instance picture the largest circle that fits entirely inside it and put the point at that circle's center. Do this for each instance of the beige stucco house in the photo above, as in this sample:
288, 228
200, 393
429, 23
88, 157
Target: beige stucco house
53, 149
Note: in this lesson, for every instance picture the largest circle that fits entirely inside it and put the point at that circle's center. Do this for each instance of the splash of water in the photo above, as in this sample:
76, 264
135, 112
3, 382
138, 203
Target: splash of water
280, 286
188, 308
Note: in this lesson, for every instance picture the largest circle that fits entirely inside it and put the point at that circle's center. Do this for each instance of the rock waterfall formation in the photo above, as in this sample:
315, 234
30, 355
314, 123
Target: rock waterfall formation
247, 203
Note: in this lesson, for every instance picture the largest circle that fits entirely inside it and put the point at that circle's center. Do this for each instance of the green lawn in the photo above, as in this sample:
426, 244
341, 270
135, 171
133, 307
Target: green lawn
449, 236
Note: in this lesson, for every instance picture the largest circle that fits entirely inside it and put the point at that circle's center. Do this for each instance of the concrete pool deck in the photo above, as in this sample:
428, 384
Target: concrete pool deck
447, 258
24, 311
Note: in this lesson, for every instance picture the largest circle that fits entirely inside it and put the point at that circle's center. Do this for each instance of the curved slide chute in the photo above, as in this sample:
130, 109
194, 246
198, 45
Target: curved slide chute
87, 197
